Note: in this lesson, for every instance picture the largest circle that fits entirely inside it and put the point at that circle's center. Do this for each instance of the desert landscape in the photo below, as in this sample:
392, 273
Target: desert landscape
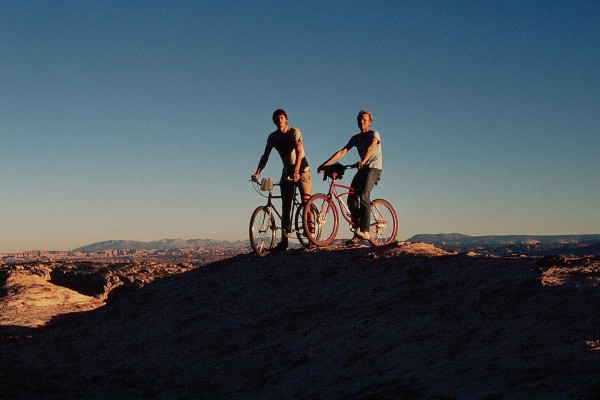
408, 321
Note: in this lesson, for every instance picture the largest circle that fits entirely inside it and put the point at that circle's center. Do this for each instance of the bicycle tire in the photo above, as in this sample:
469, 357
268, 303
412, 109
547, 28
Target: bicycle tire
326, 220
299, 225
263, 231
384, 223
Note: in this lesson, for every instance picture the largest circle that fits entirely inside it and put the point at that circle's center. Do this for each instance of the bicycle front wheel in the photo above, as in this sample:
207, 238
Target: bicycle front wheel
320, 220
384, 223
263, 231
299, 226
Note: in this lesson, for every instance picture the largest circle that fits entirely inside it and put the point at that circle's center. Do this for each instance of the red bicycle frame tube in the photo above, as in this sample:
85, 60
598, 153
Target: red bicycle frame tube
333, 193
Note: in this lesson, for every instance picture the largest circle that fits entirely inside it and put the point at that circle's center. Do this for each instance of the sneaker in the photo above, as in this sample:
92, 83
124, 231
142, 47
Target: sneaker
355, 240
363, 235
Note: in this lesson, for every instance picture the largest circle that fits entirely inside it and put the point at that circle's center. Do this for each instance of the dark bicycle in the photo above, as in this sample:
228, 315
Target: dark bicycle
265, 223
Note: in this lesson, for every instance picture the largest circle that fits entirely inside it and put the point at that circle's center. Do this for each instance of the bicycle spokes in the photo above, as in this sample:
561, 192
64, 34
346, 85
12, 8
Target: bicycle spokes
384, 222
263, 230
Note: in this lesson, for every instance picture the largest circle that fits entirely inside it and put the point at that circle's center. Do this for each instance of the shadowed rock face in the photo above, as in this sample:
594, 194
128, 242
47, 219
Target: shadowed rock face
402, 322
35, 291
30, 300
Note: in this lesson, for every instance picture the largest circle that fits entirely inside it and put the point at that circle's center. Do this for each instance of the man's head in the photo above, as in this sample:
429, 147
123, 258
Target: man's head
363, 112
277, 113
280, 119
364, 119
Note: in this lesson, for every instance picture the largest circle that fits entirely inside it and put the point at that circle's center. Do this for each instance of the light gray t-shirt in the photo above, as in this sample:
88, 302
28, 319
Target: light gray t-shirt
362, 141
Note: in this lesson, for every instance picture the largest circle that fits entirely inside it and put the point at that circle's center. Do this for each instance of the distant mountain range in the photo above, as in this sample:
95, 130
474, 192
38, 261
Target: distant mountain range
444, 239
164, 244
454, 241
533, 245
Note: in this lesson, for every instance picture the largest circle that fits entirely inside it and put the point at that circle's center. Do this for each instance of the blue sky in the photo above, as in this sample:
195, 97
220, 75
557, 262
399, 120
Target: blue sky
144, 120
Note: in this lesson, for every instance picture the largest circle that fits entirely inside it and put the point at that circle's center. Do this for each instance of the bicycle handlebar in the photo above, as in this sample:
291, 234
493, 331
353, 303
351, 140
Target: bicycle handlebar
335, 171
287, 179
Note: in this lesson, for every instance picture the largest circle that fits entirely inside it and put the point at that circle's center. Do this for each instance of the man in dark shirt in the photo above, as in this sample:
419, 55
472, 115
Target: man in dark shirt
287, 140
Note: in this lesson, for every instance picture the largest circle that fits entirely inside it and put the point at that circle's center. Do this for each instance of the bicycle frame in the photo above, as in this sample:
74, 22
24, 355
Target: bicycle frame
384, 221
266, 221
271, 206
332, 193
345, 211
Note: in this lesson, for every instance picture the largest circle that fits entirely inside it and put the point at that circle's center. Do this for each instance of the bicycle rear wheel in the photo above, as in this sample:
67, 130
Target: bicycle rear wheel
384, 223
326, 220
263, 231
299, 225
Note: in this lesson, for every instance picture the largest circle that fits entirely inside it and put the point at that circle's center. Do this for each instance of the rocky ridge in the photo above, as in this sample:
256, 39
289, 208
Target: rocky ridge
409, 321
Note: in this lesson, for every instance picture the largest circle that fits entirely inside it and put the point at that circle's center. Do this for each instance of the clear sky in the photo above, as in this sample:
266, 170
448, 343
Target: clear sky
143, 120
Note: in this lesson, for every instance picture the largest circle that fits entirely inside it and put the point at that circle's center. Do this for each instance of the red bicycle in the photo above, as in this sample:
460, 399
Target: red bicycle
384, 221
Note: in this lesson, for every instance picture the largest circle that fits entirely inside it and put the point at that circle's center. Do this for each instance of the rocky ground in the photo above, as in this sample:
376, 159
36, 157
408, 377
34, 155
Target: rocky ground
409, 321
34, 291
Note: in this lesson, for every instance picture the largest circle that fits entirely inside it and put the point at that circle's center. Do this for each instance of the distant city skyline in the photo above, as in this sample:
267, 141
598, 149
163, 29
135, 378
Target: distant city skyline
144, 120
